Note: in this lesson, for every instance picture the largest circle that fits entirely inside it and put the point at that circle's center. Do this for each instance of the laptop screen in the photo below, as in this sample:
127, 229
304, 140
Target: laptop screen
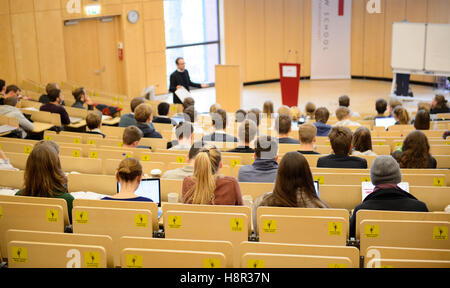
316, 186
385, 122
149, 188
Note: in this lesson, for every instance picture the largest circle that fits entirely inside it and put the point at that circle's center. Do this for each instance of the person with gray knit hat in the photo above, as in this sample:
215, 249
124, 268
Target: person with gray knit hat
385, 174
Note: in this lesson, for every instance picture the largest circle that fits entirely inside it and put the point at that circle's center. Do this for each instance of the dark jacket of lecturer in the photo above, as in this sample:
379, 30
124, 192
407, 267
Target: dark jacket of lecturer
181, 78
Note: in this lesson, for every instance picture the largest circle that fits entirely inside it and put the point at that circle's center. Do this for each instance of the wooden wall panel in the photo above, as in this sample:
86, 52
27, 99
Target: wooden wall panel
274, 39
374, 43
395, 12
7, 63
255, 35
357, 46
293, 29
235, 34
307, 30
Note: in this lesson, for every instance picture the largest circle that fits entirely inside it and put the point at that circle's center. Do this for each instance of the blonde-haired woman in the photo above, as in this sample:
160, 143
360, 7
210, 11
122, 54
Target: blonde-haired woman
206, 186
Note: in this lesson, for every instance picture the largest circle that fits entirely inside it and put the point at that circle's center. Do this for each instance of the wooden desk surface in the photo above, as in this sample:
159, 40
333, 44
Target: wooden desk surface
78, 124
112, 121
40, 127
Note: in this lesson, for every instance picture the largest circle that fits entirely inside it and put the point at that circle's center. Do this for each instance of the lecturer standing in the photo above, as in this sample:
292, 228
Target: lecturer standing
180, 78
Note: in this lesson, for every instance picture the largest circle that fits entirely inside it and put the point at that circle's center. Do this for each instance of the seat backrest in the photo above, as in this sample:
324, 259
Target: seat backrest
159, 258
113, 222
64, 238
22, 254
408, 263
265, 260
171, 186
255, 189
101, 153
311, 230
153, 207
102, 184
12, 179
27, 216
374, 253
402, 233
166, 207
81, 165
362, 215
17, 147
223, 247
349, 252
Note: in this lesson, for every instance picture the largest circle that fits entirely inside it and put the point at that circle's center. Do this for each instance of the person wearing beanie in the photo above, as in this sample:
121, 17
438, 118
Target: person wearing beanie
385, 176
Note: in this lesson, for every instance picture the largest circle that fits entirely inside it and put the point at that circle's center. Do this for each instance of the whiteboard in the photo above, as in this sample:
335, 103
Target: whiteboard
437, 57
408, 46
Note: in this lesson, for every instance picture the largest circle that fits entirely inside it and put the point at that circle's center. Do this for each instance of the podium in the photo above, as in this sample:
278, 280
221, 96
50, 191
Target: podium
229, 87
290, 83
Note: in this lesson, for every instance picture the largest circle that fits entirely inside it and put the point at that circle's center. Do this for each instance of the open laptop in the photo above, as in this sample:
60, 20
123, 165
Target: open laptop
385, 122
149, 188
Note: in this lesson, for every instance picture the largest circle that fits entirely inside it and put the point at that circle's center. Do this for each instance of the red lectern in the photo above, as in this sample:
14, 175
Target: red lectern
290, 83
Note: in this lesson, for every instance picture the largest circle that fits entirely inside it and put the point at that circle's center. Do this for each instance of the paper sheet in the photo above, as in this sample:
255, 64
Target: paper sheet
182, 93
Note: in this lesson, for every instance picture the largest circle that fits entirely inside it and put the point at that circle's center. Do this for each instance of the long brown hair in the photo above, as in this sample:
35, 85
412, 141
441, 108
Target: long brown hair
416, 151
362, 140
206, 166
294, 186
402, 115
43, 174
268, 108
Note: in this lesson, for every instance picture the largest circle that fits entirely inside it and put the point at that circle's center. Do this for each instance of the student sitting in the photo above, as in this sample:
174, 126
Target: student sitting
80, 96
188, 170
344, 101
381, 107
255, 115
439, 105
131, 137
415, 152
307, 135
44, 176
341, 143
268, 109
385, 175
401, 116
247, 133
283, 126
310, 111
362, 142
294, 187
219, 122
422, 120
4, 162
44, 97
128, 119
265, 167
295, 114
2, 90
343, 116
129, 175
163, 111
185, 135
322, 115
206, 187
143, 115
240, 116
393, 103
55, 97
94, 123
10, 110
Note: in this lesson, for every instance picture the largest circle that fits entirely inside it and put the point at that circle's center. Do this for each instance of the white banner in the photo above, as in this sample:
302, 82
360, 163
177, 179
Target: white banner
331, 39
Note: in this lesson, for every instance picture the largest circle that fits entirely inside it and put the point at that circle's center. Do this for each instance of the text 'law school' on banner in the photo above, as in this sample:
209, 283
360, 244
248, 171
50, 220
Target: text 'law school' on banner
331, 39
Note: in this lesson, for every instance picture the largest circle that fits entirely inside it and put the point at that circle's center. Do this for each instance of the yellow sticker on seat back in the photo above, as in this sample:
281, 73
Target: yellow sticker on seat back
440, 233
211, 263
52, 215
19, 254
337, 265
145, 158
334, 229
438, 181
75, 153
372, 231
27, 149
181, 160
235, 162
93, 155
81, 217
134, 261
320, 179
92, 259
269, 226
1, 212
141, 220
237, 224
174, 222
253, 263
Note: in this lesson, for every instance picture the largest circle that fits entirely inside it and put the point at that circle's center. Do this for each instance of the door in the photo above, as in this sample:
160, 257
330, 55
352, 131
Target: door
92, 57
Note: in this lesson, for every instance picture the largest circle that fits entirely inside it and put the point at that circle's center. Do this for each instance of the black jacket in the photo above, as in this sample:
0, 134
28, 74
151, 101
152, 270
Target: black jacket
181, 78
219, 137
148, 130
164, 120
341, 161
95, 133
242, 149
390, 200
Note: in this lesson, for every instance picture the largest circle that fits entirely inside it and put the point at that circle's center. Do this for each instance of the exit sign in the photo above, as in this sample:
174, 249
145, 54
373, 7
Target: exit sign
93, 10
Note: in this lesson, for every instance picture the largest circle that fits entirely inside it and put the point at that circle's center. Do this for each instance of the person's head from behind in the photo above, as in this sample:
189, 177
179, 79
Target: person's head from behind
385, 170
129, 174
247, 131
254, 115
283, 125
79, 94
283, 110
295, 114
310, 110
54, 96
188, 102
268, 109
181, 65
342, 113
136, 102
341, 140
143, 113
185, 132
214, 108
294, 176
11, 101
12, 91
131, 136
190, 115
206, 166
424, 106
422, 121
439, 102
219, 119
240, 115
266, 148
394, 103
195, 149
322, 115
362, 140
51, 143
163, 109
381, 106
344, 101
416, 151
307, 134
43, 174
94, 120
401, 115
2, 86
51, 86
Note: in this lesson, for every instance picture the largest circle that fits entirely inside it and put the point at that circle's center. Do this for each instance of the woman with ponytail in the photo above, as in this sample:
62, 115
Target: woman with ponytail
401, 116
206, 186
